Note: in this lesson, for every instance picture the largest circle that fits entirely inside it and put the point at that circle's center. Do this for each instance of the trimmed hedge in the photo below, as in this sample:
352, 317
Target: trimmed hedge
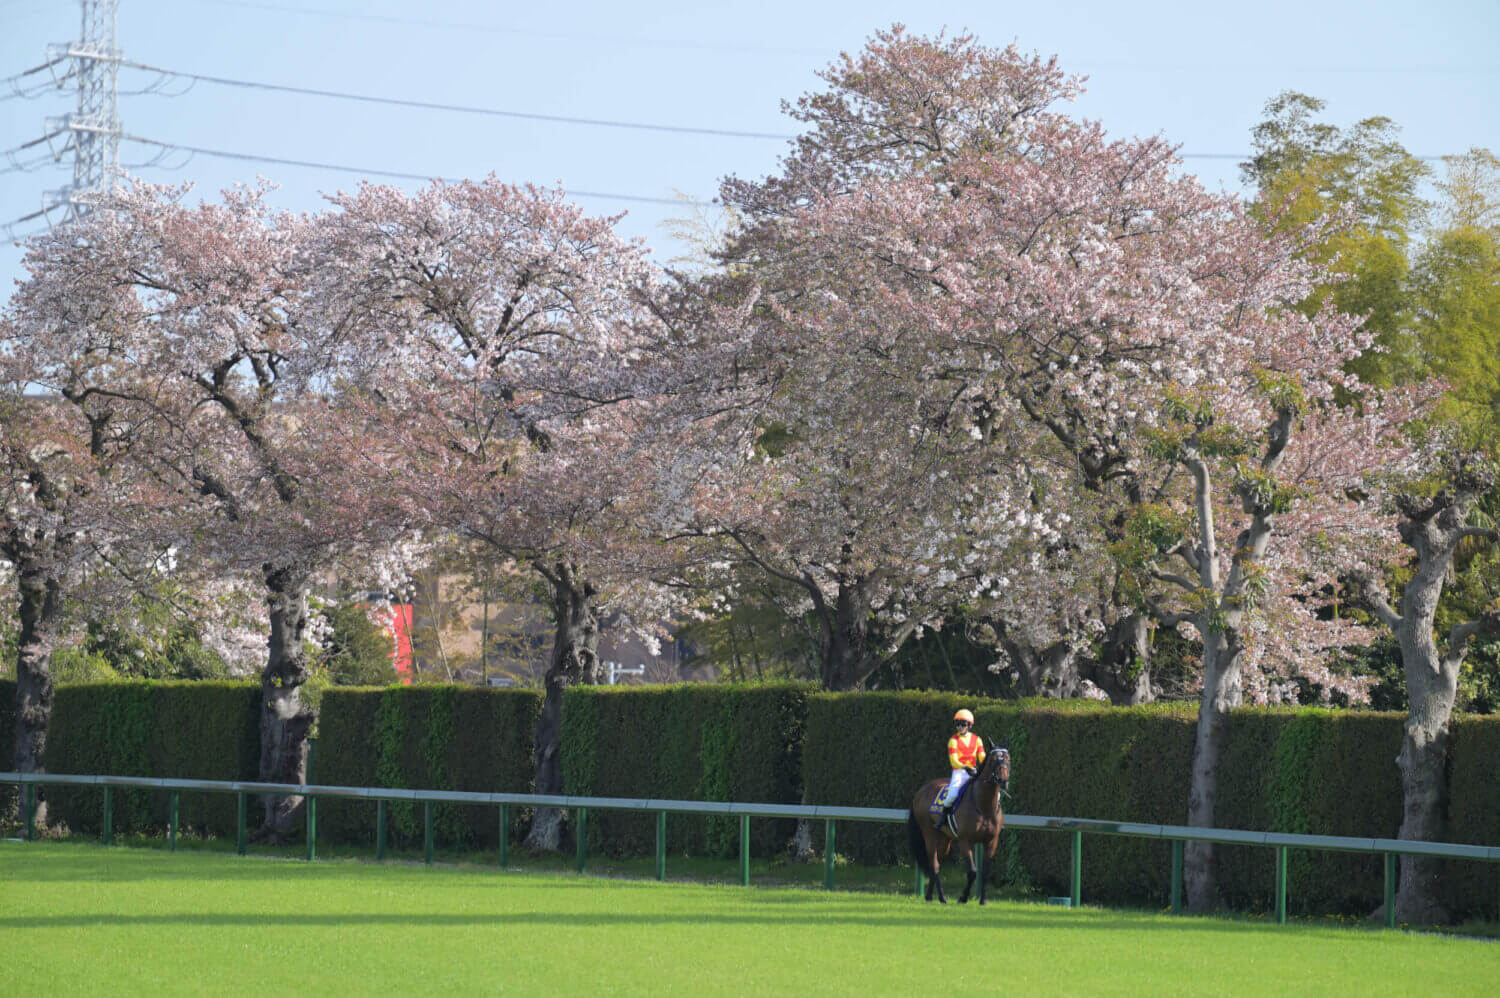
716, 742
429, 738
1474, 812
178, 730
1305, 770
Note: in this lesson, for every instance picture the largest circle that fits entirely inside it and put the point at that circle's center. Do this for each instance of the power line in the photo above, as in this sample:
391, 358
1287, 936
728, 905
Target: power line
531, 115
462, 108
369, 171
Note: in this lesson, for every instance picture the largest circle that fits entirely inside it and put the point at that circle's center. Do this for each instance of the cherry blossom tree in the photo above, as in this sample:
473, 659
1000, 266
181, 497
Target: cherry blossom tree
77, 520
510, 399
208, 305
913, 111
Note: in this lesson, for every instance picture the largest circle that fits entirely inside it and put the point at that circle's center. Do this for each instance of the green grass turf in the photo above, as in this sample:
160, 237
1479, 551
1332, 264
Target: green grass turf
80, 919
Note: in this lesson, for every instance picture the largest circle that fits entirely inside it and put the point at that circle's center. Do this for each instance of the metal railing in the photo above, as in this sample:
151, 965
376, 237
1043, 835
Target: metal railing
1178, 835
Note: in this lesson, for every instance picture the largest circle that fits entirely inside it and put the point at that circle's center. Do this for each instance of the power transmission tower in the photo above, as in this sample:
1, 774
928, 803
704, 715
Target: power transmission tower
95, 124
91, 132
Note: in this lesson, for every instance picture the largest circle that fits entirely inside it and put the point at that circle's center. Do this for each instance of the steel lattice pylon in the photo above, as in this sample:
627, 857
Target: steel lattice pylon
92, 130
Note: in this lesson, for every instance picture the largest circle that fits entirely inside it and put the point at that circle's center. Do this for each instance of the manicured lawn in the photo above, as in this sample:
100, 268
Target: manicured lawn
80, 919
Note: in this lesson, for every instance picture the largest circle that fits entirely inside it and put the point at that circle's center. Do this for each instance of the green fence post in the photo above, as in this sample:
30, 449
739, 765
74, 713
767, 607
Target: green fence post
109, 816
172, 821
1281, 885
581, 819
29, 796
380, 830
1177, 876
1077, 867
312, 828
745, 850
241, 818
504, 835
427, 832
661, 845
828, 856
1390, 890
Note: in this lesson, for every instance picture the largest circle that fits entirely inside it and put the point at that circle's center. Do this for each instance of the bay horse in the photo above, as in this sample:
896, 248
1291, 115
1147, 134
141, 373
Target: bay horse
977, 816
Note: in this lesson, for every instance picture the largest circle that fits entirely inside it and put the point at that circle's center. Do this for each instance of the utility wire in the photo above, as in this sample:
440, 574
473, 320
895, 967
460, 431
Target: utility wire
463, 108
533, 116
368, 171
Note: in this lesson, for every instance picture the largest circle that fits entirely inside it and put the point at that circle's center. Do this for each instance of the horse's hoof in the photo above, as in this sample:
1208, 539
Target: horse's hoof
981, 902
963, 900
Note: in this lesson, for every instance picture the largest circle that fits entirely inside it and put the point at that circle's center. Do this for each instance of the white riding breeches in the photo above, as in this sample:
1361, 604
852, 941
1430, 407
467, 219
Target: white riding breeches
955, 784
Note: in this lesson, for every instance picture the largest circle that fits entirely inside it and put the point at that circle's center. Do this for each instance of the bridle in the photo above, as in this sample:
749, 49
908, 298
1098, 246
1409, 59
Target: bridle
998, 764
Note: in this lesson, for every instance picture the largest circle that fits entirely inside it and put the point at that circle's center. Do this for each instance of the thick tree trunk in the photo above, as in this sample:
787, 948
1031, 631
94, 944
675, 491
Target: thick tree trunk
1221, 694
1043, 672
40, 618
285, 719
575, 659
1423, 761
1123, 668
846, 656
1431, 689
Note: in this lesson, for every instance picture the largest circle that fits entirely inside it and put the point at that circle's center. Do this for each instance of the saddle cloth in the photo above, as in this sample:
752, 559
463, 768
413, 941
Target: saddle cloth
941, 800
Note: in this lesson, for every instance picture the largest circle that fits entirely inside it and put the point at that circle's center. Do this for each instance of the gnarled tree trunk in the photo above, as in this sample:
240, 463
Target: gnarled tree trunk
40, 615
575, 659
1432, 528
1123, 668
285, 719
1042, 672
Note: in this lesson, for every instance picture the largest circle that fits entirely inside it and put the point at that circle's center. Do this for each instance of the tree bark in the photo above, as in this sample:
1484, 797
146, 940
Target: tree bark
40, 620
285, 719
1123, 668
1432, 528
1221, 694
575, 659
847, 661
1042, 672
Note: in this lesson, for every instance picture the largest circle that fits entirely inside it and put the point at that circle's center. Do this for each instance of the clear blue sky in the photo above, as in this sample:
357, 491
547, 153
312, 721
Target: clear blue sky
1195, 72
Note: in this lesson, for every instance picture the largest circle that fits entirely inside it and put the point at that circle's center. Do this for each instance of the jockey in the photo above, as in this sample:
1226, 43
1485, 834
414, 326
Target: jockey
965, 754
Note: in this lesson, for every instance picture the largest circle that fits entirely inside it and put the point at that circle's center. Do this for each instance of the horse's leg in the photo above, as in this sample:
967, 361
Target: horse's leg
938, 855
931, 850
969, 869
987, 854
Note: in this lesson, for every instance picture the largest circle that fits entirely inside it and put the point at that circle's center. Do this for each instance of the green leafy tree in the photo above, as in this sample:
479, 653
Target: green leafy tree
1305, 168
358, 651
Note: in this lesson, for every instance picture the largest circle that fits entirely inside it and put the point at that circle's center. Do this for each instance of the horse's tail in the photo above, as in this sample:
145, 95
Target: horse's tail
918, 843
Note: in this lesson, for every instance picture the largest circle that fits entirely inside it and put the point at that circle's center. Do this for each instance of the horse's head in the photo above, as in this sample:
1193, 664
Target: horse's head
997, 768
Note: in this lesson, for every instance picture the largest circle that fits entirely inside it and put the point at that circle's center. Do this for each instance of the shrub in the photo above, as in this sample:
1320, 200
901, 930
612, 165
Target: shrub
1474, 812
178, 730
358, 651
429, 738
739, 742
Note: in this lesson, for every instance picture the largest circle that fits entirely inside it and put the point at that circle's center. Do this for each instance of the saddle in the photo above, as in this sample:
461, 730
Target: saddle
935, 810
